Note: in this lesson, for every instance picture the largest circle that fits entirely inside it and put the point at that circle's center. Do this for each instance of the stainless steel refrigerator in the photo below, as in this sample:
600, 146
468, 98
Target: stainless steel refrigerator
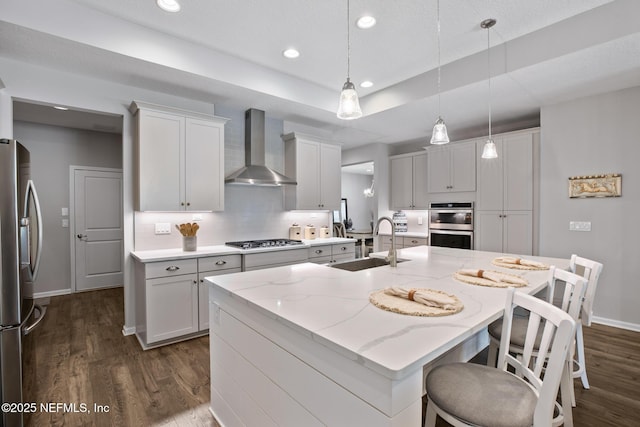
21, 245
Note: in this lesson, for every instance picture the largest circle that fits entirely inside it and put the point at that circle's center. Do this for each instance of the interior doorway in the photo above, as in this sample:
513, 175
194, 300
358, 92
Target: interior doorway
96, 228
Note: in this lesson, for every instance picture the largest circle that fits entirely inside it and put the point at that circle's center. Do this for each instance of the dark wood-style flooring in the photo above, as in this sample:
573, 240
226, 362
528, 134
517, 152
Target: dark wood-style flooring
82, 357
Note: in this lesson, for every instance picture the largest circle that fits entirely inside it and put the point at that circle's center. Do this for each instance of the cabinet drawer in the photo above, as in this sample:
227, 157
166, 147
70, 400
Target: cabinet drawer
414, 241
171, 268
343, 249
319, 251
273, 258
221, 262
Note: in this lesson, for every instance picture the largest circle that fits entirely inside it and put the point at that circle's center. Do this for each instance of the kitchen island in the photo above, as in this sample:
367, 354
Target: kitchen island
302, 345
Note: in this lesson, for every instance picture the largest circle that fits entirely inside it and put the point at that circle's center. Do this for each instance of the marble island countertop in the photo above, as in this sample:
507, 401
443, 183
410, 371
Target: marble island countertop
331, 306
214, 250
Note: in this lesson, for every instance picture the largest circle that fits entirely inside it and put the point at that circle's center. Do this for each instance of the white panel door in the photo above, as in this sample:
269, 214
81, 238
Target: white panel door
489, 195
488, 231
204, 168
463, 167
518, 232
518, 172
420, 179
401, 183
308, 188
330, 176
439, 169
98, 229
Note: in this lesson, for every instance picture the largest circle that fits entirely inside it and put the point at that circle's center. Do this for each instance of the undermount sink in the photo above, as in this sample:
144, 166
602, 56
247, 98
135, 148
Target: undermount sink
363, 264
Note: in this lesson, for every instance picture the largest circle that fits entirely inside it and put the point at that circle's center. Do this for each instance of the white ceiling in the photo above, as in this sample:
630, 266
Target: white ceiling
543, 52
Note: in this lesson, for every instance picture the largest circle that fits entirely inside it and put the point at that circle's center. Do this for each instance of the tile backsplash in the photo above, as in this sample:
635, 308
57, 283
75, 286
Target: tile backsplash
250, 213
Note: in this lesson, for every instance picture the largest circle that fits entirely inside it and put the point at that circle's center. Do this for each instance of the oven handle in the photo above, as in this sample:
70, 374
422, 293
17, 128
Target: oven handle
456, 232
437, 211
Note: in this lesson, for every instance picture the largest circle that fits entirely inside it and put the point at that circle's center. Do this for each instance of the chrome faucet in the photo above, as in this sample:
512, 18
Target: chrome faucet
392, 255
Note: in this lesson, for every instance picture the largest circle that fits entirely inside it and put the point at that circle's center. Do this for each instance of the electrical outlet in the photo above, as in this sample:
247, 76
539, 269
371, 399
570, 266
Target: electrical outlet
65, 223
579, 225
420, 220
163, 228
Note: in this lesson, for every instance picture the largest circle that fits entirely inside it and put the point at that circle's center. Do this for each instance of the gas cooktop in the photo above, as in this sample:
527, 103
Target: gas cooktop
267, 243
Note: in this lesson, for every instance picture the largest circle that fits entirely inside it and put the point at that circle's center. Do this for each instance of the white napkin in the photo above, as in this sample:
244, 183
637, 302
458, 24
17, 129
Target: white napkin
520, 261
427, 297
494, 276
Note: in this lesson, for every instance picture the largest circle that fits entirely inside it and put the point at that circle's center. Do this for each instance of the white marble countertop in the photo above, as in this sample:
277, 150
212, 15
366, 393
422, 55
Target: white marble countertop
332, 305
204, 251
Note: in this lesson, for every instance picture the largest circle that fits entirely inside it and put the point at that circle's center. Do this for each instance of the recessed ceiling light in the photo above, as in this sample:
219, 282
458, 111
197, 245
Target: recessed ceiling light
366, 83
58, 107
290, 53
366, 22
168, 5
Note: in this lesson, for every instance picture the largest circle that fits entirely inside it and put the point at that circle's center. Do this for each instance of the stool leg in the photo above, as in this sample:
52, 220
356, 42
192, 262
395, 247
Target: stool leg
430, 418
492, 357
581, 361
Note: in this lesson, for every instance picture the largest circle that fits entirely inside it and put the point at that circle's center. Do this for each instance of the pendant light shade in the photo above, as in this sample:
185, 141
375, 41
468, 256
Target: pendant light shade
439, 135
489, 151
349, 106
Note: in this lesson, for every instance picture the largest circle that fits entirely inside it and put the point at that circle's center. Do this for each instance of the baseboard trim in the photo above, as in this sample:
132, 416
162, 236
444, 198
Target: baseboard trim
48, 294
616, 323
128, 330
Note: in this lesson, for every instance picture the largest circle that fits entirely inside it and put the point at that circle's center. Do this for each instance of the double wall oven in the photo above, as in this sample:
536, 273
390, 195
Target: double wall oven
451, 224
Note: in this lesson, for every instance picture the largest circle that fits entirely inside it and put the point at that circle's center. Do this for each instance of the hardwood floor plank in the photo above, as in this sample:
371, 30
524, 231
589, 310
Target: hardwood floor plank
81, 356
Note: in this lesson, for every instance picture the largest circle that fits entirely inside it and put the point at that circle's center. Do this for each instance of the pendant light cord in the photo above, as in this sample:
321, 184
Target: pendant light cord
348, 42
438, 14
489, 68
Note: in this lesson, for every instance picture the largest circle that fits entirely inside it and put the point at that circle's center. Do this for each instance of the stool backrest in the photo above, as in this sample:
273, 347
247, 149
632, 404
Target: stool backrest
542, 368
590, 270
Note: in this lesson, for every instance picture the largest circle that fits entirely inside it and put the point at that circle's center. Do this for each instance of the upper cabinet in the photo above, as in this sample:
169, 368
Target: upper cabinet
316, 166
180, 159
452, 168
506, 183
409, 181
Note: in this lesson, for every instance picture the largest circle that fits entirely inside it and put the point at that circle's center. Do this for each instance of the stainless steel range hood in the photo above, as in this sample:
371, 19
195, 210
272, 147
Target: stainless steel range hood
256, 172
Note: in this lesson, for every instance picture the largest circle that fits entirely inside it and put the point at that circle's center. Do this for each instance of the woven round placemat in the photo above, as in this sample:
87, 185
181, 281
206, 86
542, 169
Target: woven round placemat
486, 282
517, 266
411, 308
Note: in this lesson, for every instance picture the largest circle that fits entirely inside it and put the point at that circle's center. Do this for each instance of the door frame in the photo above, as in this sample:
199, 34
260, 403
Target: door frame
72, 215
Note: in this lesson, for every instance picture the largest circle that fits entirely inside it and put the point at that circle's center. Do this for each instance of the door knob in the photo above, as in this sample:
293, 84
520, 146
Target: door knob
82, 236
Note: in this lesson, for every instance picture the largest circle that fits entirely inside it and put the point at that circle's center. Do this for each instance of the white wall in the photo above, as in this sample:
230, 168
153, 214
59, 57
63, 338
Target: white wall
588, 136
53, 149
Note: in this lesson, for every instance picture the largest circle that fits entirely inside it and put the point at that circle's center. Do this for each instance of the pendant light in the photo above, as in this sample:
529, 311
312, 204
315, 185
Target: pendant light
439, 135
489, 151
349, 107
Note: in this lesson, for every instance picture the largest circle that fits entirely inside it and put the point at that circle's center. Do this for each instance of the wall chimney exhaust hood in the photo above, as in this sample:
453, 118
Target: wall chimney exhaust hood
256, 172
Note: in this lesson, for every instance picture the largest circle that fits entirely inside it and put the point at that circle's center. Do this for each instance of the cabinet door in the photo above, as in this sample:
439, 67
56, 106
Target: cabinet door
410, 242
160, 156
518, 172
308, 177
401, 183
204, 166
490, 185
438, 170
172, 307
518, 233
330, 176
488, 231
463, 167
203, 295
420, 179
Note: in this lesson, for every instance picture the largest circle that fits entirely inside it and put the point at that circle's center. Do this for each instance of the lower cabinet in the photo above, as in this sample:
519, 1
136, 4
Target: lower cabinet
504, 231
274, 258
326, 254
402, 242
172, 297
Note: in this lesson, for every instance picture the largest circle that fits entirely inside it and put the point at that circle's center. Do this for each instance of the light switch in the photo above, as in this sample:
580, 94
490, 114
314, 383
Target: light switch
65, 211
163, 228
420, 220
65, 223
196, 217
579, 225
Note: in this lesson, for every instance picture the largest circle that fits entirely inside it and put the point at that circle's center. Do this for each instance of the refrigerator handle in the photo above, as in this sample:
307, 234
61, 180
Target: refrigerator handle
26, 330
31, 189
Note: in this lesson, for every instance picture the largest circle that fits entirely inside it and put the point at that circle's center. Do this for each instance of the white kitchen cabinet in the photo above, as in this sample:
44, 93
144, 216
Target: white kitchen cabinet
452, 168
172, 297
504, 231
402, 242
274, 258
180, 159
337, 252
409, 181
505, 194
316, 166
506, 183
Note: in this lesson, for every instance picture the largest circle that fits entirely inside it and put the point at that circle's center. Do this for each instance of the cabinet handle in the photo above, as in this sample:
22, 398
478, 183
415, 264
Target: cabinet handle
195, 282
221, 262
318, 251
173, 268
344, 248
201, 280
414, 241
181, 203
188, 204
